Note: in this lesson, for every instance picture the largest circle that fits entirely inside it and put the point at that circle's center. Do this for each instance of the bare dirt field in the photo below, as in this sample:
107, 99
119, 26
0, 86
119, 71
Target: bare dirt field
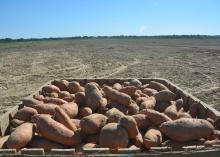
192, 64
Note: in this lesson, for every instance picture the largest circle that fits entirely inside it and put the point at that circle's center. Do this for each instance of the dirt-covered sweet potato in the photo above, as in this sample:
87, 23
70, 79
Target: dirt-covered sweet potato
20, 137
117, 86
92, 124
117, 96
129, 123
74, 87
187, 129
64, 119
47, 145
3, 141
61, 84
55, 131
25, 113
171, 111
142, 120
152, 138
85, 111
165, 95
155, 117
80, 98
56, 101
113, 136
149, 91
130, 90
70, 108
16, 122
156, 85
50, 89
148, 104
93, 96
114, 115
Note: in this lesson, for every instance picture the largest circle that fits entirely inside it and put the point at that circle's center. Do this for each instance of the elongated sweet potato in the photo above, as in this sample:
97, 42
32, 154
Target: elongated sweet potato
21, 136
148, 104
187, 129
56, 101
3, 142
61, 84
15, 122
47, 145
71, 109
156, 85
25, 113
130, 90
149, 91
118, 106
93, 97
171, 111
74, 87
85, 111
165, 95
55, 131
50, 89
155, 117
117, 96
80, 98
152, 138
64, 119
142, 120
114, 115
92, 124
113, 136
30, 102
129, 123
45, 108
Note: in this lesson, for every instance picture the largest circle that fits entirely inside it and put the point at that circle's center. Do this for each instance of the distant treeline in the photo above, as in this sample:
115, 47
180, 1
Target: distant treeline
117, 37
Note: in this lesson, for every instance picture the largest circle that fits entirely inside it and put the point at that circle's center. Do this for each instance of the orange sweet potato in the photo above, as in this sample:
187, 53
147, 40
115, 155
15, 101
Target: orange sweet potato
155, 117
25, 113
156, 85
94, 97
113, 136
45, 108
50, 89
55, 131
30, 102
152, 138
187, 129
92, 124
117, 96
56, 101
165, 95
61, 84
64, 119
71, 109
148, 104
85, 111
21, 136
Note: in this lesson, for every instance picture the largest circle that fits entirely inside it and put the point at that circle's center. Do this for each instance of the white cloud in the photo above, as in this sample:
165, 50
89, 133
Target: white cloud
142, 29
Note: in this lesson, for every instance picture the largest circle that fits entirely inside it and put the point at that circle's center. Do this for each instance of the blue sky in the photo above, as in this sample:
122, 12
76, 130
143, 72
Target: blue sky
62, 18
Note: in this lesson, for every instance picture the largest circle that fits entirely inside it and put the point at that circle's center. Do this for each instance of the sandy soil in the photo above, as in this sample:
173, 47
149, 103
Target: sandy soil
192, 64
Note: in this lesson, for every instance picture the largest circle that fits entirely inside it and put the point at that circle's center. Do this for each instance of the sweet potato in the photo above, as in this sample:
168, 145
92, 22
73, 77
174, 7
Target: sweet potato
179, 104
103, 106
149, 91
93, 138
193, 110
63, 94
126, 83
55, 131
56, 101
141, 120
113, 136
93, 97
161, 106
74, 87
76, 122
152, 138
21, 136
138, 140
61, 84
15, 122
69, 98
133, 108
38, 97
129, 123
130, 90
139, 100
64, 119
92, 124
71, 109
118, 106
117, 86
156, 85
187, 129
50, 89
51, 95
155, 117
80, 98
117, 96
47, 145
183, 115
30, 102
85, 111
136, 83
3, 142
45, 108
165, 95
148, 104
25, 113
171, 111
114, 115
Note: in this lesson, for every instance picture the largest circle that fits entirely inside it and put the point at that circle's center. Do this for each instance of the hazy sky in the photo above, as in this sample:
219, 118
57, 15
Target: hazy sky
60, 18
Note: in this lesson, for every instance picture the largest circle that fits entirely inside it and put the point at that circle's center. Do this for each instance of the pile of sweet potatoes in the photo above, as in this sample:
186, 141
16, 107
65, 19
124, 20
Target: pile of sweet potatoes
120, 115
